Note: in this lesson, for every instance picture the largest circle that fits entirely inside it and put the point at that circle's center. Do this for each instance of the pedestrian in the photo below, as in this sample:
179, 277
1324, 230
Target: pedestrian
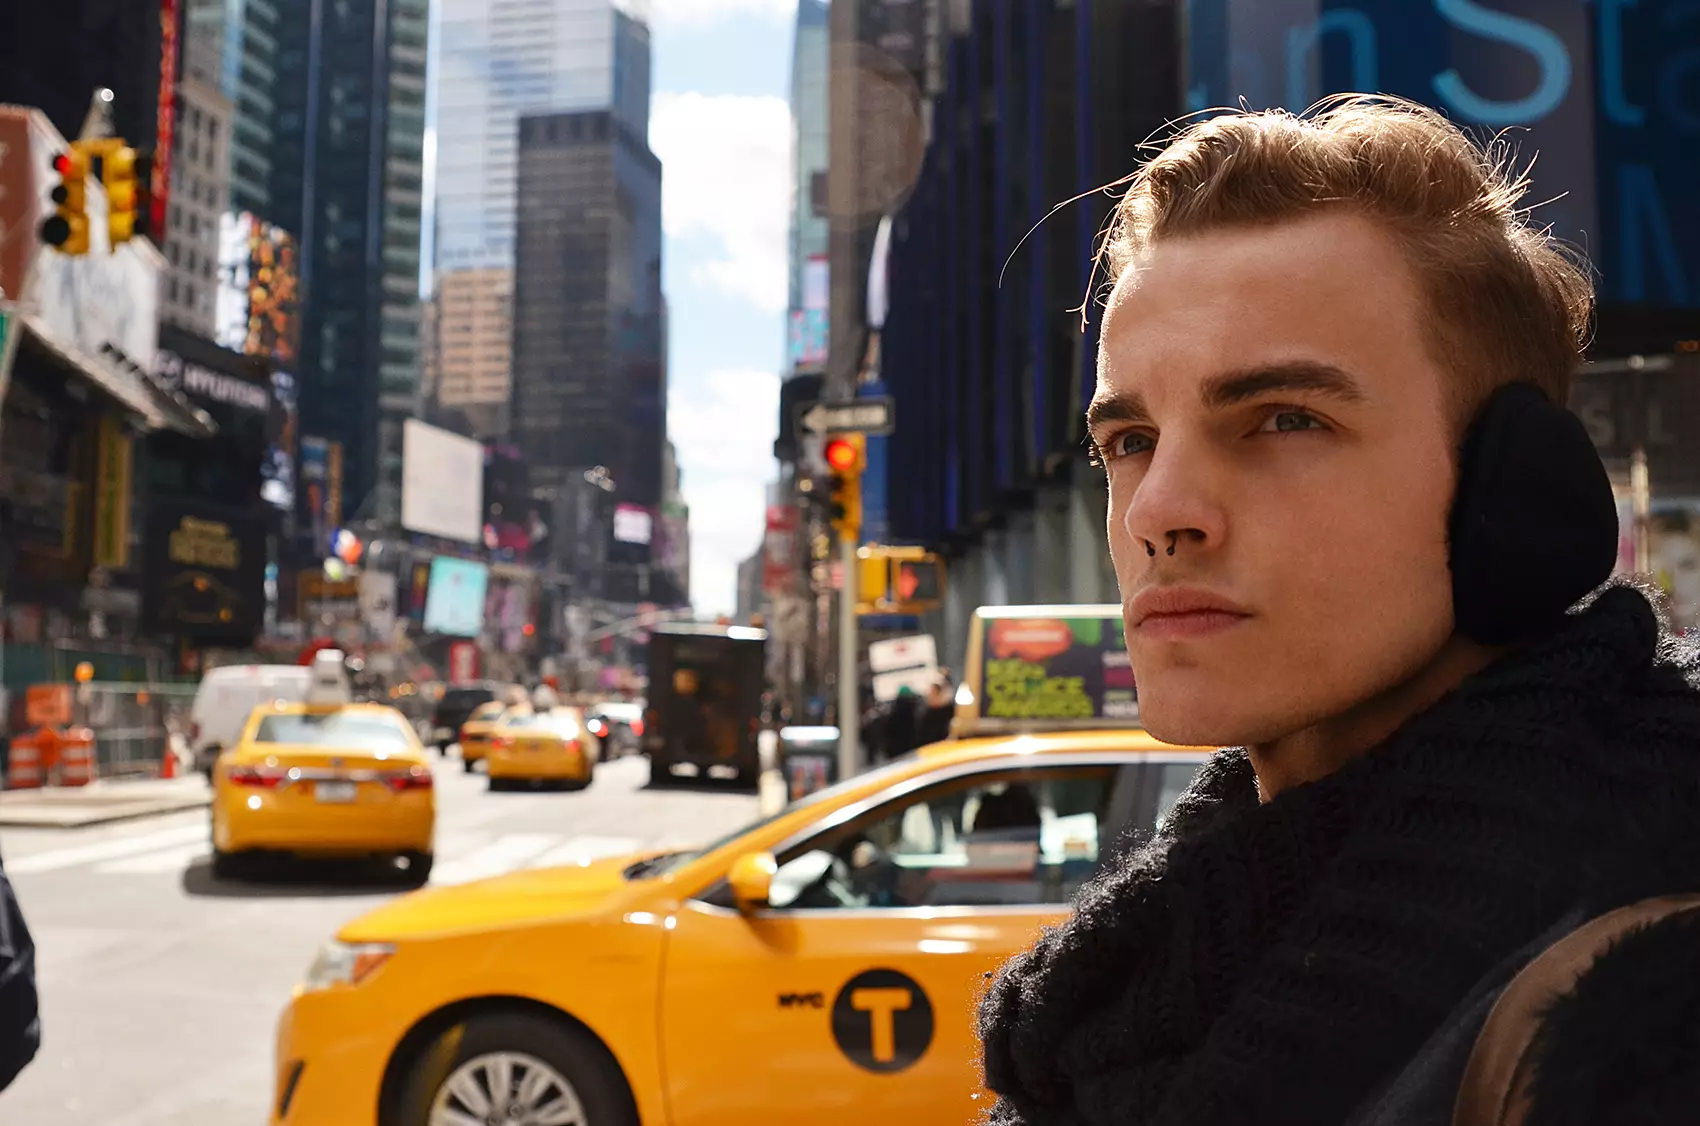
20, 1018
1360, 541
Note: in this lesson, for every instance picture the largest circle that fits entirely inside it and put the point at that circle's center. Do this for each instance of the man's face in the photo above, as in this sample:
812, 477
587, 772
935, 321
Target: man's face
1274, 427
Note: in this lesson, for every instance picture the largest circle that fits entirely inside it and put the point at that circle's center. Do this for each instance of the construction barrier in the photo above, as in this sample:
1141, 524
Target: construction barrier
76, 766
23, 764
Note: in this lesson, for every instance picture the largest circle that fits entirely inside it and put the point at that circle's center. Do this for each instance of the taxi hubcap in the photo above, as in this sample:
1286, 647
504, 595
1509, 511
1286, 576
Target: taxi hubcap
507, 1089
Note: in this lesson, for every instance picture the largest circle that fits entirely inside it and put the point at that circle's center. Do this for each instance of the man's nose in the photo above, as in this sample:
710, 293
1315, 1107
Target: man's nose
1176, 503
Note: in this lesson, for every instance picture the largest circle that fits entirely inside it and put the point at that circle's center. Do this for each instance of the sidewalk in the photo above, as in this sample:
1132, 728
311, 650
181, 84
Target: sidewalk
98, 803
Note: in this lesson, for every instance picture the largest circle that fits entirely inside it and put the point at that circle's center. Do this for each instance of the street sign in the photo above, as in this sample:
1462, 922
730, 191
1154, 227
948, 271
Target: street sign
873, 415
903, 662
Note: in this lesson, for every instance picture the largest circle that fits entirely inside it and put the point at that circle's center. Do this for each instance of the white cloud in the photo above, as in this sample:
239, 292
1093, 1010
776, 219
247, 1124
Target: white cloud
670, 14
723, 425
726, 177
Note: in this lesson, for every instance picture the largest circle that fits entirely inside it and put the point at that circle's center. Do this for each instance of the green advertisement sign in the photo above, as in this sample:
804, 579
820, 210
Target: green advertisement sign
1062, 668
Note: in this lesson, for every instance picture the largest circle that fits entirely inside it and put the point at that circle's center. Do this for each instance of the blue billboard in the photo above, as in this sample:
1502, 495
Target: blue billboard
1605, 92
454, 598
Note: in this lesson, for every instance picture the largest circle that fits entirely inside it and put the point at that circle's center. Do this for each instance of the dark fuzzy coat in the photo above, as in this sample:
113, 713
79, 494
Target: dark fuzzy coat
1325, 957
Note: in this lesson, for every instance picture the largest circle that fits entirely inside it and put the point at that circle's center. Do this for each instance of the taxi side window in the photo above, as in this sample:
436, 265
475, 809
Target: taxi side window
1013, 838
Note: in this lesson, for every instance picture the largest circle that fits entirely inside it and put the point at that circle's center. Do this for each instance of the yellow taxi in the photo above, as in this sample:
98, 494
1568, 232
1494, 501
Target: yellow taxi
475, 734
819, 966
548, 746
337, 780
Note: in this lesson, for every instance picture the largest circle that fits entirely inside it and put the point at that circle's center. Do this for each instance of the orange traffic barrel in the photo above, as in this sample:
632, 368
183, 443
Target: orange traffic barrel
76, 757
23, 765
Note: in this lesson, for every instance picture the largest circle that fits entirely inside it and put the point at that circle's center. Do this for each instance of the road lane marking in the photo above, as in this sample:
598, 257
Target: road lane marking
582, 850
171, 860
504, 854
104, 850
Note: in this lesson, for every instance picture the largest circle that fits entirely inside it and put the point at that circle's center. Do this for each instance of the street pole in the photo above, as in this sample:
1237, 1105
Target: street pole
849, 703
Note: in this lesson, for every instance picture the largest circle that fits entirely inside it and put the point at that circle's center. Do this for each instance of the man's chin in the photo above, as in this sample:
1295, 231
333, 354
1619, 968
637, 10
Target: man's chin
1202, 720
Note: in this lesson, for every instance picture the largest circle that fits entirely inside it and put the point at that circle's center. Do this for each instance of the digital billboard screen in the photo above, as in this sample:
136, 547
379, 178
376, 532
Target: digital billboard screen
454, 599
259, 292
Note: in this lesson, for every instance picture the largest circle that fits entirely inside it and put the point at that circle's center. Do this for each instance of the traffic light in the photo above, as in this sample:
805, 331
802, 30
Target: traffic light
846, 456
68, 227
126, 174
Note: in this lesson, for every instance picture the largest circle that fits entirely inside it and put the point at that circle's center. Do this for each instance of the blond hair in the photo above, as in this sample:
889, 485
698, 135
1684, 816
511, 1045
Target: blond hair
1509, 303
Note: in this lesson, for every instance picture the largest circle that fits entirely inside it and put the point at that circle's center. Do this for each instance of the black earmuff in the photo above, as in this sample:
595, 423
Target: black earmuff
1534, 523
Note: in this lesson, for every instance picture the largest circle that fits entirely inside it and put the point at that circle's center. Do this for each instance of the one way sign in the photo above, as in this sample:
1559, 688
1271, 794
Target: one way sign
874, 415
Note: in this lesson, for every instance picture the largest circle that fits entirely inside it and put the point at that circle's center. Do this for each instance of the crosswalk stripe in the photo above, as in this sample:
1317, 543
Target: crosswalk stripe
582, 850
93, 853
171, 860
504, 854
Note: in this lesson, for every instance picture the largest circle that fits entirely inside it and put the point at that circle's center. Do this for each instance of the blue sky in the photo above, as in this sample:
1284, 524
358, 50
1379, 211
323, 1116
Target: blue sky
721, 125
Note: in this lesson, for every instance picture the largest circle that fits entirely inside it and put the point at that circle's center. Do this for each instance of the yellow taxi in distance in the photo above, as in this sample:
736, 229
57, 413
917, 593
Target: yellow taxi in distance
819, 966
475, 733
349, 780
549, 746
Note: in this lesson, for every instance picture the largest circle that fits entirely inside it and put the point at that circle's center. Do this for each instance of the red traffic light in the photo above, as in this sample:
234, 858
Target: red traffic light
62, 164
842, 455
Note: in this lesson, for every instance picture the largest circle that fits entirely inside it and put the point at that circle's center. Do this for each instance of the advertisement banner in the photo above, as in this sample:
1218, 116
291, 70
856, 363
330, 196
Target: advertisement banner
165, 122
442, 483
780, 560
809, 337
22, 195
463, 664
258, 311
1057, 668
633, 524
112, 495
333, 487
454, 601
315, 472
378, 602
204, 573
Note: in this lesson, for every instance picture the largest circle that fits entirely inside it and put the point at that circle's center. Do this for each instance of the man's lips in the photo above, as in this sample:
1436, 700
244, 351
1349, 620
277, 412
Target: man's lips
1182, 612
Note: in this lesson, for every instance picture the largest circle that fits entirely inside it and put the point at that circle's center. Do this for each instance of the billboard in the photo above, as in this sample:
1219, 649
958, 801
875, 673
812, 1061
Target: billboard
204, 572
258, 312
442, 483
454, 600
320, 488
633, 524
1603, 93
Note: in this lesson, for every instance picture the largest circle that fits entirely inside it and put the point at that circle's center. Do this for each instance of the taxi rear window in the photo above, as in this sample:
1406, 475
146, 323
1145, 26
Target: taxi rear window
341, 729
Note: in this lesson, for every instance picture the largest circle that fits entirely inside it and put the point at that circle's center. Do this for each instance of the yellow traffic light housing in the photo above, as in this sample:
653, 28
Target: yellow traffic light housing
898, 580
68, 227
847, 455
126, 172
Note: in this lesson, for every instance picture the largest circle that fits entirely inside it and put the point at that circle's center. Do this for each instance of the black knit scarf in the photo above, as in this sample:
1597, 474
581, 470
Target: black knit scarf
1274, 963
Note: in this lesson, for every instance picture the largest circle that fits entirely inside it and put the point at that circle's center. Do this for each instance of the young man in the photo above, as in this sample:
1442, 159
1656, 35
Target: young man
1346, 549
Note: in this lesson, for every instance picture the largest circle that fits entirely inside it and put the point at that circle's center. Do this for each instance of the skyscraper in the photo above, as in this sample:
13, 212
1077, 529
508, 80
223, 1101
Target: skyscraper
348, 128
499, 59
243, 36
589, 385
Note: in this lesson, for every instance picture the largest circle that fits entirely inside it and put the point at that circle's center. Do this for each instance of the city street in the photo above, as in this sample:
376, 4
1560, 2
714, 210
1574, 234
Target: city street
160, 986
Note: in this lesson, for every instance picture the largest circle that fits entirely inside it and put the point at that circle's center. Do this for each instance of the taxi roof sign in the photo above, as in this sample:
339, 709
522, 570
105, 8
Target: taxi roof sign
1046, 668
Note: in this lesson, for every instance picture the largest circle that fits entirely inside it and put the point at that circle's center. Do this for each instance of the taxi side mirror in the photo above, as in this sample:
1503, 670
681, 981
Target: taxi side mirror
751, 880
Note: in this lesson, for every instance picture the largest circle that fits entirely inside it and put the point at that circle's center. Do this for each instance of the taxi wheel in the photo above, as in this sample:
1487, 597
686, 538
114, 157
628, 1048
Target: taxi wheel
418, 871
518, 1068
228, 865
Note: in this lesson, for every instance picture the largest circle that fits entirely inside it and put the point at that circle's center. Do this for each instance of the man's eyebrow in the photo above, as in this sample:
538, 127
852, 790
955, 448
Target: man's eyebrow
1235, 387
1121, 406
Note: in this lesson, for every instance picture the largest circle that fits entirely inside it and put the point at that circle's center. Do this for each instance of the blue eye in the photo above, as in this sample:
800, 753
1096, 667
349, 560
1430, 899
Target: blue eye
1131, 444
1289, 422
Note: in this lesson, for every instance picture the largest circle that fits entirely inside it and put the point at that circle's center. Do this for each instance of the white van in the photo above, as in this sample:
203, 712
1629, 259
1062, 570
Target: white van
228, 696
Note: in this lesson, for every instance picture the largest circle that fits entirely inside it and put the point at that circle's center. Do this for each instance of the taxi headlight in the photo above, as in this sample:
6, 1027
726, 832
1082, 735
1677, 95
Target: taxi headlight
345, 963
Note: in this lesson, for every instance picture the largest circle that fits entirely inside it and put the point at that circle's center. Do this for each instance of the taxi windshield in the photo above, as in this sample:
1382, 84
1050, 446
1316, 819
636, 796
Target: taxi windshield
660, 865
341, 729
